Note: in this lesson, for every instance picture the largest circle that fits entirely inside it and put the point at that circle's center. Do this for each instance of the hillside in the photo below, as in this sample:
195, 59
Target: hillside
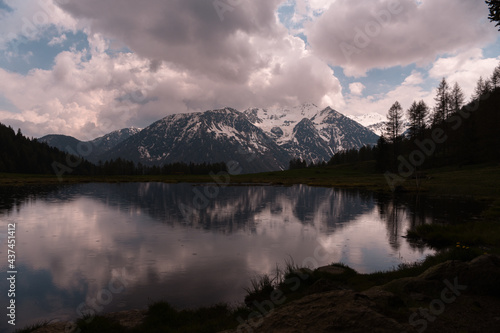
22, 155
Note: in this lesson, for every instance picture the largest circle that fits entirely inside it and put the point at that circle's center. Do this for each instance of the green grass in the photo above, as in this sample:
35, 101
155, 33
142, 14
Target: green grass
479, 181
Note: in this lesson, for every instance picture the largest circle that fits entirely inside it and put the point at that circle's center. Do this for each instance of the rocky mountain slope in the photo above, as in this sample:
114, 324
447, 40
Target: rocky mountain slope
256, 140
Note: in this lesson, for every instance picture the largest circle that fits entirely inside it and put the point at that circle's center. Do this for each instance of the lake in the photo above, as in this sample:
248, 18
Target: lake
115, 247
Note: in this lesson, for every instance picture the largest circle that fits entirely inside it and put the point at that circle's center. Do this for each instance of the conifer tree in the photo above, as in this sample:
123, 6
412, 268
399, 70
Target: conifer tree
495, 78
442, 108
457, 98
412, 118
394, 124
494, 6
417, 115
482, 87
422, 114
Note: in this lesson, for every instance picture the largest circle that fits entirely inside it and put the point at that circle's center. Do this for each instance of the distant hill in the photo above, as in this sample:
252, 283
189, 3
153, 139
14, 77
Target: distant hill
94, 150
22, 155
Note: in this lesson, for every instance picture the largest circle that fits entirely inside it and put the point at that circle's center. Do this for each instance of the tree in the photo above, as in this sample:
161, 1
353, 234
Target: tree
457, 98
495, 78
441, 110
412, 117
483, 87
422, 115
417, 115
494, 6
394, 124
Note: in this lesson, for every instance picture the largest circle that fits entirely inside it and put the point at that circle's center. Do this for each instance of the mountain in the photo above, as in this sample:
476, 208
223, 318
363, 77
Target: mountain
378, 128
257, 139
369, 119
94, 150
311, 133
213, 136
64, 143
373, 121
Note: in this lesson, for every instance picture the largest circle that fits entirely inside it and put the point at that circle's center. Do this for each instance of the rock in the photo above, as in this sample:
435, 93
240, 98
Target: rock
334, 270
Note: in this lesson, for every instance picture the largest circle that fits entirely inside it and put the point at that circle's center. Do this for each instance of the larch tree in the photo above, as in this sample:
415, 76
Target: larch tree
457, 98
394, 124
417, 115
442, 108
483, 87
422, 115
412, 118
495, 78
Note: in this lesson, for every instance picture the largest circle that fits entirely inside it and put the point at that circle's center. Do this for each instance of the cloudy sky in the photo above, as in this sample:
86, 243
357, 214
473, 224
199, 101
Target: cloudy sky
88, 67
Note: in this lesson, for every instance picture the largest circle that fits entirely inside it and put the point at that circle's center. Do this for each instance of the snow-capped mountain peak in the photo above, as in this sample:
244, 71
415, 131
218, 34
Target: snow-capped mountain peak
257, 139
369, 119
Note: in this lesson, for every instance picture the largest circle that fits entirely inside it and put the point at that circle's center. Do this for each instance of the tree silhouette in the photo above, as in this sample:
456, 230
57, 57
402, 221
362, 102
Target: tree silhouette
494, 6
394, 125
495, 78
457, 98
417, 114
442, 108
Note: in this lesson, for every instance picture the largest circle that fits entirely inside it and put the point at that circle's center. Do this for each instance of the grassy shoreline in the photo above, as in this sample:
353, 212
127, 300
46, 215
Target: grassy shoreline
476, 180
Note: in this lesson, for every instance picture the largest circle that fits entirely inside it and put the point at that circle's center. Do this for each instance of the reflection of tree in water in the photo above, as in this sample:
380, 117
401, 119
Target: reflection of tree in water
13, 197
419, 209
394, 213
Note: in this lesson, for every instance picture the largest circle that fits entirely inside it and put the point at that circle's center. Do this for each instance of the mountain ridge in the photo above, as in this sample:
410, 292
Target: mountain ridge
257, 139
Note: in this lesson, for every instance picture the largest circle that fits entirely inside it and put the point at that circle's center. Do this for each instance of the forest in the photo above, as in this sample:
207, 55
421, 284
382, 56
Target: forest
20, 154
452, 132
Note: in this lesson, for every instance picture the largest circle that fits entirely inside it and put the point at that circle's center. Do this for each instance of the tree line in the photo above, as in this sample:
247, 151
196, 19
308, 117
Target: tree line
452, 132
19, 154
469, 131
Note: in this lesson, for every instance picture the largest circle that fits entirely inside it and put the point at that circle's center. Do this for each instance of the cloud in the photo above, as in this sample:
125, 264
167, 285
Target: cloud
188, 33
411, 90
365, 34
184, 59
77, 97
414, 79
357, 88
464, 68
29, 20
89, 93
57, 40
190, 56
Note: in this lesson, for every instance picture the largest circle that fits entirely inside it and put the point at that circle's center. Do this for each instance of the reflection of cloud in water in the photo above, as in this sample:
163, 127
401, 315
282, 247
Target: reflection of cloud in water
81, 236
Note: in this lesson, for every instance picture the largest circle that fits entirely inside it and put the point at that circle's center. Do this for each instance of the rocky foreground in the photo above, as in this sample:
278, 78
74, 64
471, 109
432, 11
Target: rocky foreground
450, 297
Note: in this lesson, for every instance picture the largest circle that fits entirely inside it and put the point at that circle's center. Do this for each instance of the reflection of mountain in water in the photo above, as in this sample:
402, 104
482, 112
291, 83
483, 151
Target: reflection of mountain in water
231, 208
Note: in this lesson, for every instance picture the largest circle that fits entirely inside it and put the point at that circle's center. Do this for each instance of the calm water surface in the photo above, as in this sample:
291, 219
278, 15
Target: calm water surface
121, 246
